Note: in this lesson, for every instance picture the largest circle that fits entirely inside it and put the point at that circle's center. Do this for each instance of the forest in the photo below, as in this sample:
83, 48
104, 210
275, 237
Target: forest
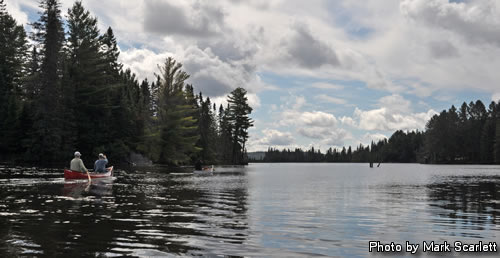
62, 89
469, 135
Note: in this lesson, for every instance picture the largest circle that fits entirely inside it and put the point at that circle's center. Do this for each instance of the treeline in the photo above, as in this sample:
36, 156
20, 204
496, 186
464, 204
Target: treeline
400, 147
67, 91
470, 135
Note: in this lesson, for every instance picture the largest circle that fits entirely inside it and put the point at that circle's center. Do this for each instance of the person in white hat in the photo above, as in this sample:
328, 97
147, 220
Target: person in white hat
77, 163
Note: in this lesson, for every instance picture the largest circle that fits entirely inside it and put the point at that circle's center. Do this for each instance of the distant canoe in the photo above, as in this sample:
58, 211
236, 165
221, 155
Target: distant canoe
206, 170
70, 174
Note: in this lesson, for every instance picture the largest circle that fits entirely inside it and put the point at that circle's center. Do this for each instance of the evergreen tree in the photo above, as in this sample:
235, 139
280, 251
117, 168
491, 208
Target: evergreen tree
176, 138
49, 34
87, 90
238, 117
13, 61
224, 147
125, 134
207, 131
497, 139
144, 112
31, 86
111, 52
487, 142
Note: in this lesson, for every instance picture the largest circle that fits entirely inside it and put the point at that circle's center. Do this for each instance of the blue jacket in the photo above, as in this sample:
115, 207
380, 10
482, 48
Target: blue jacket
100, 165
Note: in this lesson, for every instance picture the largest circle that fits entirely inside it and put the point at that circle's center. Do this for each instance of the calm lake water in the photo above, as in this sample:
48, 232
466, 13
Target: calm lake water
260, 210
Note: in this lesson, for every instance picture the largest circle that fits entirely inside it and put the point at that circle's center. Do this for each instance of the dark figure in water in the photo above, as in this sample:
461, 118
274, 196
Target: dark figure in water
198, 165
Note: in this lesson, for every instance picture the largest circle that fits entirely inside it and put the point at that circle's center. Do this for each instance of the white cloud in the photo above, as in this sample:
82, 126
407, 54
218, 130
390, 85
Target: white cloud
375, 137
327, 86
328, 136
348, 121
396, 103
496, 97
253, 100
368, 138
14, 9
394, 113
275, 138
388, 120
143, 62
300, 101
311, 119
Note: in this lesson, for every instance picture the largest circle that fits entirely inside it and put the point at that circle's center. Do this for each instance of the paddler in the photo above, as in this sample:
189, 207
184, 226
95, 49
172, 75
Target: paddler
100, 164
198, 165
77, 163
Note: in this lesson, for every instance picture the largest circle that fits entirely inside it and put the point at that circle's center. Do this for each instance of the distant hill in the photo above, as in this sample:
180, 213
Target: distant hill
257, 155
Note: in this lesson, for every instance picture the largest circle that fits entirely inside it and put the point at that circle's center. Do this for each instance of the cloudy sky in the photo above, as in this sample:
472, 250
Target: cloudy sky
319, 73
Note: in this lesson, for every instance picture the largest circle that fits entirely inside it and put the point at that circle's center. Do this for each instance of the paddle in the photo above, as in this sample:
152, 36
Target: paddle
90, 180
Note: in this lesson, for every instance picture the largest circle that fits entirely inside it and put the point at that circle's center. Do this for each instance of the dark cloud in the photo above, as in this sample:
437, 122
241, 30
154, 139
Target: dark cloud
216, 76
210, 85
196, 21
476, 22
308, 51
443, 49
314, 133
229, 50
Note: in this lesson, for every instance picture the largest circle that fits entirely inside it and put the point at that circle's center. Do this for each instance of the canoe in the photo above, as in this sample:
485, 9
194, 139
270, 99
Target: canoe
206, 170
70, 174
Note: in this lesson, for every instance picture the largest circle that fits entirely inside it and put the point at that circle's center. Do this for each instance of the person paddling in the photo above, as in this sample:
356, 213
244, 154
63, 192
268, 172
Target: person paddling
198, 165
100, 164
77, 164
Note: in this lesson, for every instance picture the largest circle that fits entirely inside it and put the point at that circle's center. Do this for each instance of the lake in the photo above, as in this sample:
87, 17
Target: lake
279, 209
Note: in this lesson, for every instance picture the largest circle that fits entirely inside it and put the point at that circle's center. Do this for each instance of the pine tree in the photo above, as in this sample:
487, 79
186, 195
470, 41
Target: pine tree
207, 131
87, 90
31, 85
126, 98
13, 52
238, 117
497, 139
46, 135
176, 138
111, 52
224, 147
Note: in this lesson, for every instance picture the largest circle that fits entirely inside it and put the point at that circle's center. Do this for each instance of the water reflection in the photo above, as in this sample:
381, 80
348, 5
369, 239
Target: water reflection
468, 203
98, 187
134, 214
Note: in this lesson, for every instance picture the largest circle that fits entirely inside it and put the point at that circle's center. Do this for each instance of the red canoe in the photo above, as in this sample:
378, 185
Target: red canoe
70, 174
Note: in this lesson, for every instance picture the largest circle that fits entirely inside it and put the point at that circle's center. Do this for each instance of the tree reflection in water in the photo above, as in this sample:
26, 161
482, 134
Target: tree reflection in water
468, 202
143, 213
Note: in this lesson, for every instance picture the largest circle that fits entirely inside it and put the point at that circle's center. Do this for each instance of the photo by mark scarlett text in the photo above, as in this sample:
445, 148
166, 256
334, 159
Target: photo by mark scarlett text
432, 247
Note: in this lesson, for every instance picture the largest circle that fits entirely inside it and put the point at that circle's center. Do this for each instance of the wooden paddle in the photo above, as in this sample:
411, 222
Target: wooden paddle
90, 180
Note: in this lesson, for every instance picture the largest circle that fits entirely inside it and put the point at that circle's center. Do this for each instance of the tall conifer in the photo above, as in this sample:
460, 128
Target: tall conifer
13, 61
176, 123
49, 34
238, 117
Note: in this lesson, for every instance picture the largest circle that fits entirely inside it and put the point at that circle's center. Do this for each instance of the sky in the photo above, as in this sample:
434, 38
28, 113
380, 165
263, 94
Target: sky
318, 73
